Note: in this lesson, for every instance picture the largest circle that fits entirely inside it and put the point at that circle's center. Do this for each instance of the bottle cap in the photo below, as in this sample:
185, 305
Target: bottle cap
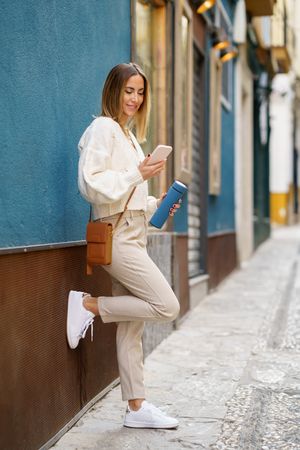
180, 187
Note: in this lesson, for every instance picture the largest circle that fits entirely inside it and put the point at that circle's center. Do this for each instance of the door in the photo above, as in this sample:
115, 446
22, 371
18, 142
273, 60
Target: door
197, 208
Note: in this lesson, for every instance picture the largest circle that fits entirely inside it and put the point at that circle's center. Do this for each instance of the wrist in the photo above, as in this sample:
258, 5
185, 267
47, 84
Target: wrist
141, 174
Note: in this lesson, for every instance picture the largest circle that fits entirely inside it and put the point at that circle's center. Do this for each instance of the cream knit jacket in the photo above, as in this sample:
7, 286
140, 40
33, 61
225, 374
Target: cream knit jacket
108, 170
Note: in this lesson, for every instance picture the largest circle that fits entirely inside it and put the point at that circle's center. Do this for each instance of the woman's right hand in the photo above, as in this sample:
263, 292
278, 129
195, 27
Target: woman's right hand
150, 170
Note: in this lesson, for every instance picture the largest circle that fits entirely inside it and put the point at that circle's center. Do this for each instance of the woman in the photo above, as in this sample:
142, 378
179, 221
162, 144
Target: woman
111, 164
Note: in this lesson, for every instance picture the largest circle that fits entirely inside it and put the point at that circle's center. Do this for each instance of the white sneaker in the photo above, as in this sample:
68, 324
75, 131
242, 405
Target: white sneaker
148, 416
78, 319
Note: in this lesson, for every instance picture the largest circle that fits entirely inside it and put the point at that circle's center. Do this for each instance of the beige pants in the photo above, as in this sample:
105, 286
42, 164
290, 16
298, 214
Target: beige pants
140, 293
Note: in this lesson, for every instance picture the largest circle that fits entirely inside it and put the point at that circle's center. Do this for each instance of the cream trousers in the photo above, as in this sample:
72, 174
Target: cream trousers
140, 293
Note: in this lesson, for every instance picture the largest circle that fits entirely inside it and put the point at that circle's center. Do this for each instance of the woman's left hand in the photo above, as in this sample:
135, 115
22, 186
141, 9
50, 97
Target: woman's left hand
175, 206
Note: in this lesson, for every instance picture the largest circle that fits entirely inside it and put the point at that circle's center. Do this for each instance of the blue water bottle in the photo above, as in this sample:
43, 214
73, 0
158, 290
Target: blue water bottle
175, 192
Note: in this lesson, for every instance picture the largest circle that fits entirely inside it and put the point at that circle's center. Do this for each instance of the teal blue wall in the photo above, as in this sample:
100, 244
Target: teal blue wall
221, 207
229, 6
54, 58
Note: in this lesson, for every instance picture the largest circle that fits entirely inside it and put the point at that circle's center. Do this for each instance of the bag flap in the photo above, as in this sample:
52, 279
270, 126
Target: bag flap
98, 232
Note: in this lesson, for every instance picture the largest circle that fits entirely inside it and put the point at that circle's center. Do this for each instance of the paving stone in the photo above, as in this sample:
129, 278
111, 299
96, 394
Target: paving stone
230, 373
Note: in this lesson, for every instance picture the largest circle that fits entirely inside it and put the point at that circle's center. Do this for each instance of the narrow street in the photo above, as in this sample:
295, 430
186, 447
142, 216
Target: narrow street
230, 373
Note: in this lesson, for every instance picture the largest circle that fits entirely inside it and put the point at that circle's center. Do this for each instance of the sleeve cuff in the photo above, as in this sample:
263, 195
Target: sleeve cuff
134, 176
151, 207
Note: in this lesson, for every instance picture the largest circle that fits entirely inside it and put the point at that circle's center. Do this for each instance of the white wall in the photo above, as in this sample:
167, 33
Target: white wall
281, 140
296, 66
243, 157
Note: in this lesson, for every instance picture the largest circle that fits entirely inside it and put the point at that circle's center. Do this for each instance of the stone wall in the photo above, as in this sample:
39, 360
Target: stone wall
160, 250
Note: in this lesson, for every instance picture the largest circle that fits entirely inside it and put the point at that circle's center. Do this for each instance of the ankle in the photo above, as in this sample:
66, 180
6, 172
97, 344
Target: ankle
86, 302
90, 304
135, 404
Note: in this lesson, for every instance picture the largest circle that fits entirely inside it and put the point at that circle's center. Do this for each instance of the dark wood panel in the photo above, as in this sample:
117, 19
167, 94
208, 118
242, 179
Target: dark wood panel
199, 30
222, 257
181, 280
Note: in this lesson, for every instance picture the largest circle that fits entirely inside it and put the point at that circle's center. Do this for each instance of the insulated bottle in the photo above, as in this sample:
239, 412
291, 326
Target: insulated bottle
175, 192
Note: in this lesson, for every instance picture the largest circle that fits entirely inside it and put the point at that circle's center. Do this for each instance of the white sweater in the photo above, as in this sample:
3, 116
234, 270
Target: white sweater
108, 170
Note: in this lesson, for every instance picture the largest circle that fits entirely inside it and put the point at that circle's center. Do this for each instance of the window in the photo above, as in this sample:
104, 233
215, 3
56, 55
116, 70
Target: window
220, 94
150, 53
216, 68
222, 20
183, 92
144, 56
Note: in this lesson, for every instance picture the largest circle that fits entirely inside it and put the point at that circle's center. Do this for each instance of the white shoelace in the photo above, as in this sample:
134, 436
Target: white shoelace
153, 408
88, 323
157, 410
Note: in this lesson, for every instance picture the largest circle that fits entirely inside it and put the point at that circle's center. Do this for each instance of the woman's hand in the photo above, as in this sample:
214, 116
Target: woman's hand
150, 170
175, 207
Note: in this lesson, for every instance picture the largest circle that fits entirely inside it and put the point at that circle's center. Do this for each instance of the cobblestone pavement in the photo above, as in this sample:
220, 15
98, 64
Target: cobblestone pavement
230, 373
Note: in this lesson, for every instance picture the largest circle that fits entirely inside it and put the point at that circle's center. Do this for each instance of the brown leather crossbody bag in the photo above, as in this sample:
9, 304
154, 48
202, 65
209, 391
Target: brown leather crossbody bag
99, 241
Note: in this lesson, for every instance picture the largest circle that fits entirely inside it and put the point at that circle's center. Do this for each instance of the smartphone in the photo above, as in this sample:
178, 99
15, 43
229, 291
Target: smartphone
160, 153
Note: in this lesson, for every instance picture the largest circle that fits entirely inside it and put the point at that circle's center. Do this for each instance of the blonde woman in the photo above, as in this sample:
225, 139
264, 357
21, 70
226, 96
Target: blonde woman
111, 165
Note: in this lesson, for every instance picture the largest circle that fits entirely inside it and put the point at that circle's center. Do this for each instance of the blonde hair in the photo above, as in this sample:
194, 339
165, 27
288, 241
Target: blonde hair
112, 98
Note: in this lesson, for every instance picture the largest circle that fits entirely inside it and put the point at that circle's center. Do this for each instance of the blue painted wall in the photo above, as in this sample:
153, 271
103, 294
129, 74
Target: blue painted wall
221, 207
54, 58
229, 6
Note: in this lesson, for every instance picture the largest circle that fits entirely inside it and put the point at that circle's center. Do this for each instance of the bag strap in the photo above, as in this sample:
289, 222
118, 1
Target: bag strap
121, 215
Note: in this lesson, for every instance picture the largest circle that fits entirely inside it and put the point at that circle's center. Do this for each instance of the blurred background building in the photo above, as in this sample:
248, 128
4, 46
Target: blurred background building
285, 113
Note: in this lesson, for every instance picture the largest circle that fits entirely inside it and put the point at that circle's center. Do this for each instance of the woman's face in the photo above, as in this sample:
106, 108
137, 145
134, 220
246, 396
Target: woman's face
133, 96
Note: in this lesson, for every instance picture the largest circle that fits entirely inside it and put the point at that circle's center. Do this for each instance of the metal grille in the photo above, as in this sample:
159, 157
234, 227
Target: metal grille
194, 205
43, 383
